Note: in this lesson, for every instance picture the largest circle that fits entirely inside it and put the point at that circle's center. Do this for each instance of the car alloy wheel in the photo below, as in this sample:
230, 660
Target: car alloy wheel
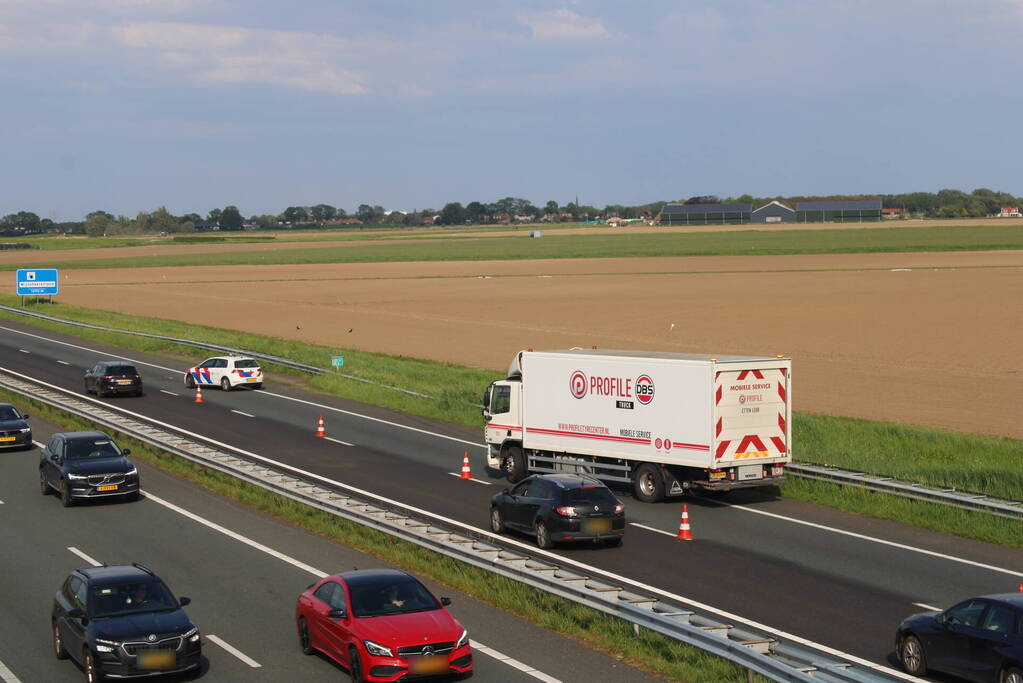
911, 654
190, 381
225, 384
58, 644
496, 523
65, 496
89, 665
303, 637
1013, 675
44, 488
355, 665
543, 537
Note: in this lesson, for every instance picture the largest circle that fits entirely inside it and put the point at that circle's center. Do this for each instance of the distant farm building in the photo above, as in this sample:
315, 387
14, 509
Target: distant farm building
704, 214
891, 214
839, 212
773, 212
1009, 212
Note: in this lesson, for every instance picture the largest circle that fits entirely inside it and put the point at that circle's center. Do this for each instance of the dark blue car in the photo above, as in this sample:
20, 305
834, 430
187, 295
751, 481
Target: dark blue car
14, 431
980, 639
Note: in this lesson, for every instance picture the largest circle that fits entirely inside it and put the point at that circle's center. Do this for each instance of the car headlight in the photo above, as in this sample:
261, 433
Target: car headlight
106, 645
192, 635
26, 430
377, 650
132, 472
77, 477
463, 640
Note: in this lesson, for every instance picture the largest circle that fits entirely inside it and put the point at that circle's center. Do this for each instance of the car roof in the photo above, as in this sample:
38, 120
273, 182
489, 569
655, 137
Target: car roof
1014, 599
115, 362
231, 358
75, 436
116, 573
364, 576
570, 481
7, 405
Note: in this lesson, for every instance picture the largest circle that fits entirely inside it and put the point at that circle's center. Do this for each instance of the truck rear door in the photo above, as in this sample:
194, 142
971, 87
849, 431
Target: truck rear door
751, 418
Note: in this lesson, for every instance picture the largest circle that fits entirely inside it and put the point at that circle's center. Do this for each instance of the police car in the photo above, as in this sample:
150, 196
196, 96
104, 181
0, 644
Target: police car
227, 371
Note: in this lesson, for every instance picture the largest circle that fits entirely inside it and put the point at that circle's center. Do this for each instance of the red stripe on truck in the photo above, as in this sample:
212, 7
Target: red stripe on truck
718, 398
718, 428
781, 423
781, 391
690, 446
584, 435
778, 443
721, 449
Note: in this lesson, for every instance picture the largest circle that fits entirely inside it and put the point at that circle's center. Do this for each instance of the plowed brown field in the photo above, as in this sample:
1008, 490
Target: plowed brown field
925, 339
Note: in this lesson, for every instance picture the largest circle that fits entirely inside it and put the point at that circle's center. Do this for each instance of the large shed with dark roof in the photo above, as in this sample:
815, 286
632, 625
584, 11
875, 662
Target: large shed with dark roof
773, 212
839, 212
704, 214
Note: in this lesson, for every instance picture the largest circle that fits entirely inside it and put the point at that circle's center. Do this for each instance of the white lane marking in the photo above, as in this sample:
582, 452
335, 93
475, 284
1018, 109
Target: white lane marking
650, 528
1, 502
169, 393
236, 536
927, 607
478, 481
7, 676
63, 362
233, 650
85, 557
241, 413
263, 391
505, 539
343, 443
514, 663
24, 351
881, 541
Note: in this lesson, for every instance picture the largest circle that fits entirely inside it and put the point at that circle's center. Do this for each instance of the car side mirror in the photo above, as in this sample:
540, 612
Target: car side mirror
487, 418
126, 451
445, 601
25, 416
183, 600
338, 613
506, 492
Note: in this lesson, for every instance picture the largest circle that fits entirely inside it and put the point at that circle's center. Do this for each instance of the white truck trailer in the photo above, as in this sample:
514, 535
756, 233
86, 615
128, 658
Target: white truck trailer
665, 423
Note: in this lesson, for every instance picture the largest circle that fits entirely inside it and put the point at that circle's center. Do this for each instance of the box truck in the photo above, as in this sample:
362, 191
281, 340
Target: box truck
664, 423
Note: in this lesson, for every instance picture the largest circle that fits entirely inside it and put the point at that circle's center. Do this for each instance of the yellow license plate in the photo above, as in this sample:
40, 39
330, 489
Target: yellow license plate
428, 665
157, 659
250, 379
124, 381
596, 526
108, 487
7, 438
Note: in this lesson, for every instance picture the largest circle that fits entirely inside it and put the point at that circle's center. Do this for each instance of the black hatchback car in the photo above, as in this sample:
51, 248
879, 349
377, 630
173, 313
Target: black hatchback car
86, 466
113, 377
980, 639
560, 507
123, 622
14, 430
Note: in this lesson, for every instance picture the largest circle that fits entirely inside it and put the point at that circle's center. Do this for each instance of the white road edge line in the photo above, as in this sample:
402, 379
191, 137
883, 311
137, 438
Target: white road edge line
7, 676
169, 393
85, 557
514, 663
343, 443
233, 650
510, 541
269, 393
241, 413
927, 607
63, 362
478, 481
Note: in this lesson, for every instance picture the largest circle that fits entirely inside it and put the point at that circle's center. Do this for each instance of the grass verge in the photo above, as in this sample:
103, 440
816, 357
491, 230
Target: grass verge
974, 463
648, 651
519, 247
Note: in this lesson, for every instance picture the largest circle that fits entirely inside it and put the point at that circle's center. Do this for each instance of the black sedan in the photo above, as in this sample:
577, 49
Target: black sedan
14, 430
109, 377
980, 639
86, 466
123, 622
560, 507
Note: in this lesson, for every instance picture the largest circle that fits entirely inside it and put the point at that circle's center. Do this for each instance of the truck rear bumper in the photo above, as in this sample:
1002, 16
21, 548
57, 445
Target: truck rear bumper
728, 485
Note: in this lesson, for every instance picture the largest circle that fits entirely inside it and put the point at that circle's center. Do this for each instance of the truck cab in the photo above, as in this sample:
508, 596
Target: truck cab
502, 413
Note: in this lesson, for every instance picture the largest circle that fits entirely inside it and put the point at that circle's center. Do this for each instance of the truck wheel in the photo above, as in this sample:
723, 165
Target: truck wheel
515, 464
648, 483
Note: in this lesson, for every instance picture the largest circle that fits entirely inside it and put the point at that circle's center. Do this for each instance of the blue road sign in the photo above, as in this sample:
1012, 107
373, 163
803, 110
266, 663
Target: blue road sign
37, 281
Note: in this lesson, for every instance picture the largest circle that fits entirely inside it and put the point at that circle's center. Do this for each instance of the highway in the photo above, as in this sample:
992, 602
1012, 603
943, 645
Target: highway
829, 577
243, 571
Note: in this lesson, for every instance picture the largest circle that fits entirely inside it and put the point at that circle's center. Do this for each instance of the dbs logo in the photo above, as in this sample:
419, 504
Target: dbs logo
644, 389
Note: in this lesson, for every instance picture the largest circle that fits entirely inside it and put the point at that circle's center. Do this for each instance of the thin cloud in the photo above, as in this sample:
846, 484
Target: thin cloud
563, 25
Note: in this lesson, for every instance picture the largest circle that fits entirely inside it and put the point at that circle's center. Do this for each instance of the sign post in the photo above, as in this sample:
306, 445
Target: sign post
337, 361
37, 282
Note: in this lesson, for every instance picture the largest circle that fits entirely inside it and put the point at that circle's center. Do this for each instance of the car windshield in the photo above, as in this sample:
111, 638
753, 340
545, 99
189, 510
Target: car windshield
390, 596
596, 495
80, 449
121, 370
246, 363
113, 600
9, 413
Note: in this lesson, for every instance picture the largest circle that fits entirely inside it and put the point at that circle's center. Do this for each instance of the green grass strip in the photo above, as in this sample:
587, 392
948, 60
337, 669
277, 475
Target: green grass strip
521, 247
649, 651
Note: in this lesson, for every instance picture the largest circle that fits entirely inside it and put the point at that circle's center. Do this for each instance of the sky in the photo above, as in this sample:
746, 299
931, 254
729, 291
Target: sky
128, 105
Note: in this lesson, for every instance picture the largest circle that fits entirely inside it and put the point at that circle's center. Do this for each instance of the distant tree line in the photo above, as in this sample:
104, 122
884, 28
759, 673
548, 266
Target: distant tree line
943, 204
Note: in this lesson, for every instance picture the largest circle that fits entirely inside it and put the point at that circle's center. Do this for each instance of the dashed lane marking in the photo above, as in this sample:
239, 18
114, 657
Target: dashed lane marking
85, 557
169, 393
24, 351
63, 362
343, 443
7, 676
927, 607
514, 663
241, 413
478, 481
233, 650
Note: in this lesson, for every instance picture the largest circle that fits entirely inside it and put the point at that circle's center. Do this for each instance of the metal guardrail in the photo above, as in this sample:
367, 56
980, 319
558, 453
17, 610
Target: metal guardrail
876, 482
763, 653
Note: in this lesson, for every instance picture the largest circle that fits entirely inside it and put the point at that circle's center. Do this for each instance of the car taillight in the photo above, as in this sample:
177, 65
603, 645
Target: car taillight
107, 377
619, 508
565, 510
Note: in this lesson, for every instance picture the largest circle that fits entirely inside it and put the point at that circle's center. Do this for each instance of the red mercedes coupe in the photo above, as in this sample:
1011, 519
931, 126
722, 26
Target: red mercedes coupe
382, 625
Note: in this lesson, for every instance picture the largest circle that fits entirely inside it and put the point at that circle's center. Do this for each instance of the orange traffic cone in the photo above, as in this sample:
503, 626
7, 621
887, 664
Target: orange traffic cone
1021, 588
321, 431
466, 472
198, 394
683, 525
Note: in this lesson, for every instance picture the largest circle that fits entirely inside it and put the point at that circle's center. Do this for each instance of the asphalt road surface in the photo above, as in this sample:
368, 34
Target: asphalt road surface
818, 574
243, 575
